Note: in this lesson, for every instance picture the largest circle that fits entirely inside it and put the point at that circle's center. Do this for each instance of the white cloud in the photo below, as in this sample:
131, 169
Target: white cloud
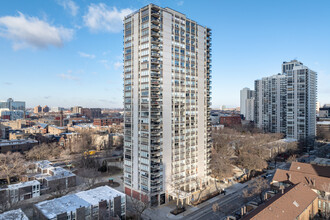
117, 65
100, 17
27, 31
180, 3
68, 76
86, 55
69, 5
105, 63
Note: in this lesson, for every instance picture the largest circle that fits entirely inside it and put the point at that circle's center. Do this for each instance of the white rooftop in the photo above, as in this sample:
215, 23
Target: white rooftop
65, 204
19, 141
68, 203
13, 215
23, 184
44, 164
94, 196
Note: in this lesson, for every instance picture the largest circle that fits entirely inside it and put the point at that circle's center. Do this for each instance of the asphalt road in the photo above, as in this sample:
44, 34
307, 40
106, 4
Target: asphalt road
227, 204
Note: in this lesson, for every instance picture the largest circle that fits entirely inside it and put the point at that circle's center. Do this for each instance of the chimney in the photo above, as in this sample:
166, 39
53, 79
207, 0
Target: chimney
243, 210
61, 119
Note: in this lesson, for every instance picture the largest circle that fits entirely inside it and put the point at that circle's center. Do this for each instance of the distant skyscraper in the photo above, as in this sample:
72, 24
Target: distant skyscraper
270, 103
12, 105
167, 103
37, 109
45, 109
249, 111
301, 100
246, 98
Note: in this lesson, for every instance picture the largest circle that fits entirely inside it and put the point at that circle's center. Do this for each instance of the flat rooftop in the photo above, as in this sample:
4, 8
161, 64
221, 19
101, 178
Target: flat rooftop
93, 196
65, 204
68, 203
13, 215
16, 142
23, 184
44, 164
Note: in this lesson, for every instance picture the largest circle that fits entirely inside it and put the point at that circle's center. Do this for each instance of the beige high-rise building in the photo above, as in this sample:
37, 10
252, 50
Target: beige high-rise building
167, 76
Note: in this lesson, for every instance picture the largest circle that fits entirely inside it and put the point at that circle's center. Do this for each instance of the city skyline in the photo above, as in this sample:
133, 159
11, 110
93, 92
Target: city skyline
70, 58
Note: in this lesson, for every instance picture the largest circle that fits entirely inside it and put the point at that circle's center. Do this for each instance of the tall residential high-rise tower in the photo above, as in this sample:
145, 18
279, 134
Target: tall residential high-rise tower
301, 100
270, 103
167, 76
286, 103
247, 103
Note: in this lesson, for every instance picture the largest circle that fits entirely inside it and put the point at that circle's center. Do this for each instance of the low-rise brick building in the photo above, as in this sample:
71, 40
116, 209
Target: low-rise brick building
52, 129
295, 202
16, 145
314, 176
52, 178
20, 191
107, 121
231, 120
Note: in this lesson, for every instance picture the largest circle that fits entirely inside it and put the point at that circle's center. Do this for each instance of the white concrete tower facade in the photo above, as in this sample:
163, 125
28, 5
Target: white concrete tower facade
167, 77
301, 100
270, 103
246, 97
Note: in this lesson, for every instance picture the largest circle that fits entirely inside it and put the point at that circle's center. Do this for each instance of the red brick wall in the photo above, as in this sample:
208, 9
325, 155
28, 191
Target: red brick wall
128, 191
136, 195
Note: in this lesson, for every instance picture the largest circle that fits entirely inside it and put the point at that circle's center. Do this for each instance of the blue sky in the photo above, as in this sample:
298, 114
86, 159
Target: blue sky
69, 52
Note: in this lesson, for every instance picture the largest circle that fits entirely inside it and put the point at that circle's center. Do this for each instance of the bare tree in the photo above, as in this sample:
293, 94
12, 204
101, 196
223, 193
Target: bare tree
43, 152
11, 165
139, 206
251, 161
246, 195
326, 196
215, 207
256, 187
90, 176
6, 202
59, 190
221, 166
200, 188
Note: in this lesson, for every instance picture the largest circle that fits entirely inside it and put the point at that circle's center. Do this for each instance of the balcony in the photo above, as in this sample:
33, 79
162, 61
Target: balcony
155, 109
155, 13
154, 47
155, 41
155, 61
155, 54
155, 103
154, 95
154, 82
155, 20
154, 34
154, 27
155, 68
